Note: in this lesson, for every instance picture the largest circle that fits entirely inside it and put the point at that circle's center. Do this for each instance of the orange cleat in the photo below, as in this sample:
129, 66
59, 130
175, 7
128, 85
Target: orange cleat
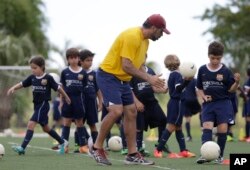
174, 156
186, 154
84, 149
158, 154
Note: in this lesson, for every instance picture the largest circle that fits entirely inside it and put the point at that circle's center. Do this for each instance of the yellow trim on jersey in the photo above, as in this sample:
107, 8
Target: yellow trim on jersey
129, 44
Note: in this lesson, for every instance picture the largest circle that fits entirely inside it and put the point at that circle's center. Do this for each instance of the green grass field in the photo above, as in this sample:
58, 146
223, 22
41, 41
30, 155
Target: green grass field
39, 156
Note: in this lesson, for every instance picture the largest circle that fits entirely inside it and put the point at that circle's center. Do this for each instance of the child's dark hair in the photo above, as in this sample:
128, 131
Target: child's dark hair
172, 62
85, 54
216, 48
72, 52
38, 60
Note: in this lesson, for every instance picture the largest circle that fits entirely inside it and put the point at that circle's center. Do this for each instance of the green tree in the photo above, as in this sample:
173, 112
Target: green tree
22, 34
230, 25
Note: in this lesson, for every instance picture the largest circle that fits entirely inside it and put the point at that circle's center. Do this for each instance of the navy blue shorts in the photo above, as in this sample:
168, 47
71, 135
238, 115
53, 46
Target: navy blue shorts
174, 116
235, 105
190, 108
114, 91
40, 114
76, 110
153, 116
245, 112
218, 112
91, 114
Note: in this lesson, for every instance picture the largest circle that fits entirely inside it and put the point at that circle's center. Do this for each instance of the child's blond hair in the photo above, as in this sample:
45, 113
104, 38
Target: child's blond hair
172, 62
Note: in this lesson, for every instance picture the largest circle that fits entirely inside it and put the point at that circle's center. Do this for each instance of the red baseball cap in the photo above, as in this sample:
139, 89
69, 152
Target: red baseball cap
158, 21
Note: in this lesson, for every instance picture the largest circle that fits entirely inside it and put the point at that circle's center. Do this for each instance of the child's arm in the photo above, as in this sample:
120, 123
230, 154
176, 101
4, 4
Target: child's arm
100, 100
234, 87
67, 99
13, 88
139, 105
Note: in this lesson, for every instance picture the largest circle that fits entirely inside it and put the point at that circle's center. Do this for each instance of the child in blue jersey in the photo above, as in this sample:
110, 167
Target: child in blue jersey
215, 82
74, 80
91, 91
149, 112
42, 84
189, 106
176, 84
246, 112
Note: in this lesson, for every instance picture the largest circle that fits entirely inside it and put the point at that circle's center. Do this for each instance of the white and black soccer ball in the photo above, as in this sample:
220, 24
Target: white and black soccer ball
115, 143
210, 150
187, 69
2, 151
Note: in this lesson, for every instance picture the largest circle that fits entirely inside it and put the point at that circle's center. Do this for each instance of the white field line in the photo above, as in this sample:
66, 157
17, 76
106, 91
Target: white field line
49, 149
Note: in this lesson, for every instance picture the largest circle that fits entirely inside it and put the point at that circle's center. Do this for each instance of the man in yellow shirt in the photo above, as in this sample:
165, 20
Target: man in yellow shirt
124, 60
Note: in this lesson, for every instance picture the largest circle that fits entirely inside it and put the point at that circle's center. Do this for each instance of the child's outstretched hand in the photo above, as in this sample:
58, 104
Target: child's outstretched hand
11, 91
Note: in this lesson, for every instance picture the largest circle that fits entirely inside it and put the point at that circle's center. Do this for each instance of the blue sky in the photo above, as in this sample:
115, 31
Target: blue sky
94, 24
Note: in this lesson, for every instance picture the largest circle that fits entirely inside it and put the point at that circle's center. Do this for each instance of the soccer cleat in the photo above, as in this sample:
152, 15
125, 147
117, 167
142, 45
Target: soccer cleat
76, 148
55, 147
165, 148
201, 160
19, 150
64, 148
124, 151
219, 160
174, 155
248, 140
84, 149
137, 159
158, 154
230, 138
186, 154
100, 156
189, 139
144, 152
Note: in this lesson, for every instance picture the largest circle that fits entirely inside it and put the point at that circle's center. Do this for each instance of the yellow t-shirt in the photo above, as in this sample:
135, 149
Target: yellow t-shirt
129, 44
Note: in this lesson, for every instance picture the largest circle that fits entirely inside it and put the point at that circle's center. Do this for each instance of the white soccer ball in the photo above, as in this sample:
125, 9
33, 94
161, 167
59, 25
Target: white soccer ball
115, 143
8, 132
210, 150
2, 151
188, 69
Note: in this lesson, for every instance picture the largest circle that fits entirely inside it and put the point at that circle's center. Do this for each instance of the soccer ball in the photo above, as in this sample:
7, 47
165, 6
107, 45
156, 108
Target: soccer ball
187, 69
115, 143
2, 151
210, 150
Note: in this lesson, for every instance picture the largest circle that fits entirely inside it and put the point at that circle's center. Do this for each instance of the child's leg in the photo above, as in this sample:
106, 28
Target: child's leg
222, 137
180, 139
53, 134
29, 134
94, 132
187, 125
139, 138
165, 136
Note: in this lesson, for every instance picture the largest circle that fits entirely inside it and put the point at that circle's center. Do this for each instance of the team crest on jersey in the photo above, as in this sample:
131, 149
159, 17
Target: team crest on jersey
219, 77
80, 76
44, 82
90, 77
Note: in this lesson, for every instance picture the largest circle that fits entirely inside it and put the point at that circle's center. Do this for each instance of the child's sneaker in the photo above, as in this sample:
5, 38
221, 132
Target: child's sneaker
19, 150
189, 139
137, 160
165, 148
64, 148
186, 154
158, 154
84, 149
76, 148
174, 155
124, 151
219, 160
201, 160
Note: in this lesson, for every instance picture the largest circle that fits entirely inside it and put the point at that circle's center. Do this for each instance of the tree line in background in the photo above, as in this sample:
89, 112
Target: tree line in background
22, 34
